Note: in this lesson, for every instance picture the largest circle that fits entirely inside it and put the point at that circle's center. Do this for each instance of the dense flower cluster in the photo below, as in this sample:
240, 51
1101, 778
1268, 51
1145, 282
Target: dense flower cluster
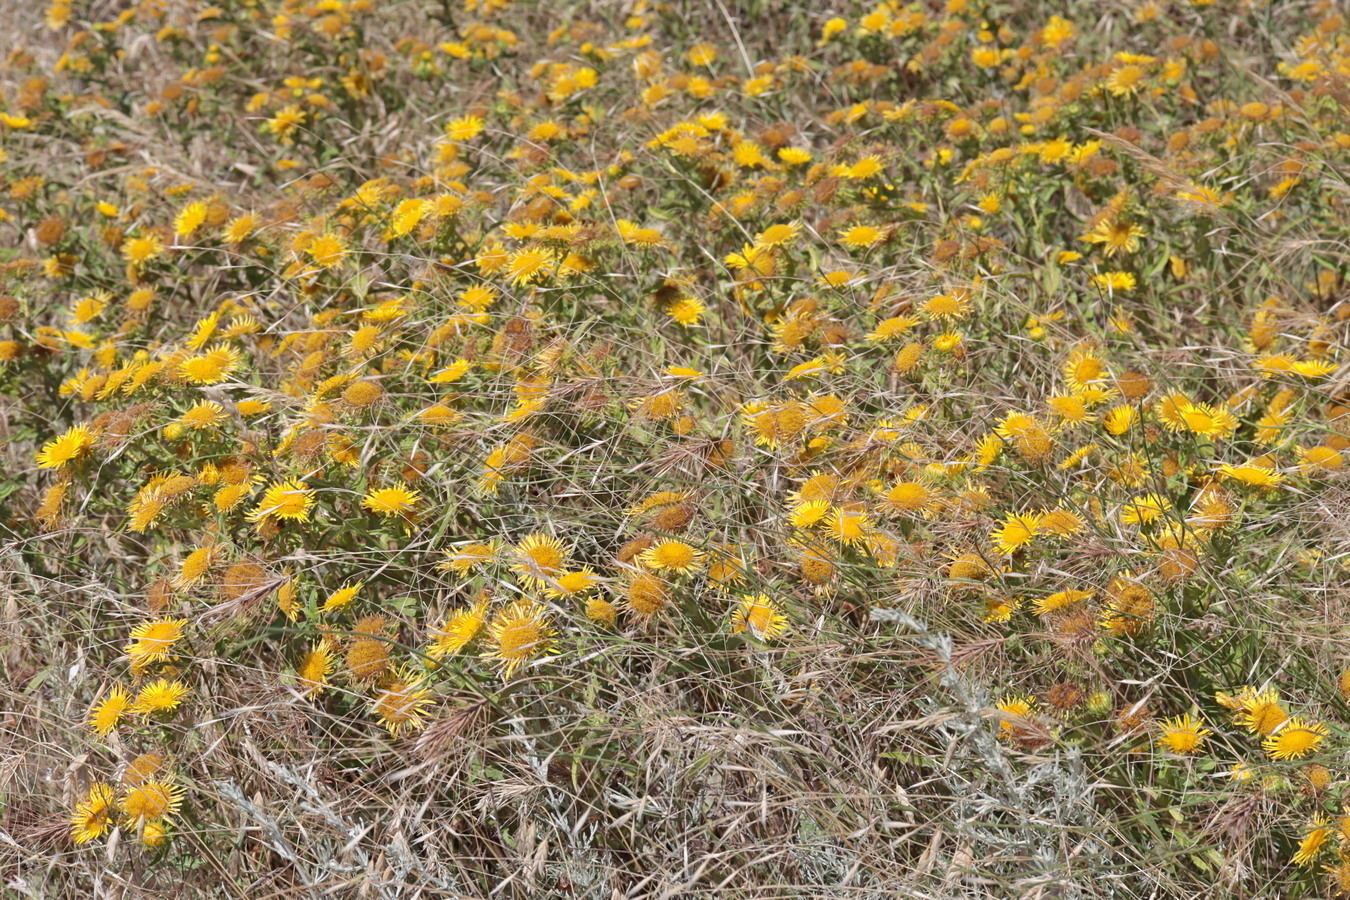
460, 365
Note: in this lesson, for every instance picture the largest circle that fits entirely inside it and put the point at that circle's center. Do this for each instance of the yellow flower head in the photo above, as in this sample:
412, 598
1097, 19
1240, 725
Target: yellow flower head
761, 616
517, 634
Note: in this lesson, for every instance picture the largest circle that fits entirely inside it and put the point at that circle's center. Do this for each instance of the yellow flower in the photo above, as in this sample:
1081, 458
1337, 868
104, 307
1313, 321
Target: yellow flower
1114, 282
675, 556
1016, 532
1261, 712
761, 616
861, 236
142, 249
288, 499
1061, 600
190, 219
105, 716
569, 584
1116, 236
72, 445
521, 631
539, 558
461, 627
1294, 739
1184, 734
392, 501
152, 800
1125, 81
210, 368
153, 641
315, 667
161, 695
327, 250
400, 703
463, 129
468, 557
1015, 717
1313, 841
342, 597
93, 815
207, 414
686, 311
527, 265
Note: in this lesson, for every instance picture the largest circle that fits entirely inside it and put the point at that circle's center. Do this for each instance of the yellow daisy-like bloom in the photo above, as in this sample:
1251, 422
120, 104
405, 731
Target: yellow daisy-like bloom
161, 695
1294, 739
196, 565
465, 128
1000, 609
93, 815
955, 305
400, 703
526, 266
777, 235
1061, 600
342, 597
1015, 713
675, 556
1084, 369
207, 414
1119, 419
1114, 282
1313, 841
861, 236
539, 557
288, 499
468, 557
1129, 608
1144, 509
461, 627
72, 445
1015, 533
601, 611
686, 311
570, 584
212, 367
1027, 435
106, 715
152, 800
809, 514
1254, 475
153, 641
1184, 734
327, 250
392, 501
189, 219
1261, 712
1208, 421
142, 249
1126, 81
848, 525
315, 667
646, 594
153, 834
521, 631
240, 229
761, 616
1118, 236
1060, 523
908, 496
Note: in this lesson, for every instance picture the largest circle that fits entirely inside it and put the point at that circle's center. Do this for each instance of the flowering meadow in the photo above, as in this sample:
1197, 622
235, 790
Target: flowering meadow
705, 448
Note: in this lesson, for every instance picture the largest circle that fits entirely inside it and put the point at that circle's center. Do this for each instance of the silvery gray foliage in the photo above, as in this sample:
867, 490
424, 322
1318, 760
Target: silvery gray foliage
1026, 825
